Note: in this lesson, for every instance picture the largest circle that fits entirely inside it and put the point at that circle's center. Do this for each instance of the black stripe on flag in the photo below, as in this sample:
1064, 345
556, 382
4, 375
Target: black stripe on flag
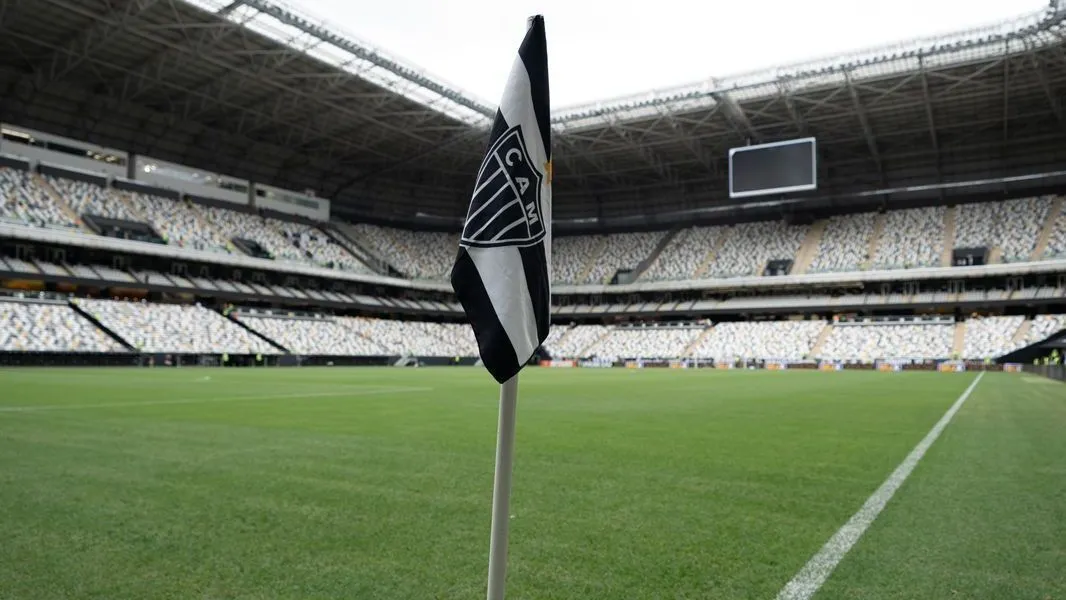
495, 348
535, 265
501, 272
534, 55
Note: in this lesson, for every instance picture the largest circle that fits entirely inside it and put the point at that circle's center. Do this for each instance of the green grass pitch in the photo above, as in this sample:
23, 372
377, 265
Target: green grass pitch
657, 484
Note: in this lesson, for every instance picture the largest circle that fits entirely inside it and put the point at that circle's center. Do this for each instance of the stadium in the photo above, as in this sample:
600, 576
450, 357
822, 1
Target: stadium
233, 366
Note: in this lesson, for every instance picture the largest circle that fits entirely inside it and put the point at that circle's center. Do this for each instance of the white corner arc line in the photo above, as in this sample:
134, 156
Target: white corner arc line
810, 578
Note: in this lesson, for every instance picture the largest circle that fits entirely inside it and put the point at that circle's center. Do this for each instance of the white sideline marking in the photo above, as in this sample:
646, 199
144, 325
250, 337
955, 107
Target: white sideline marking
202, 400
810, 578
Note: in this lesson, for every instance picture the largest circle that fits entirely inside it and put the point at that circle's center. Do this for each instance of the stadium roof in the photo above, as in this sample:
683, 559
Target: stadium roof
254, 89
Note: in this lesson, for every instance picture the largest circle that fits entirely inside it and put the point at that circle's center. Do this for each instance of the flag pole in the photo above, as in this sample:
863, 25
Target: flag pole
501, 490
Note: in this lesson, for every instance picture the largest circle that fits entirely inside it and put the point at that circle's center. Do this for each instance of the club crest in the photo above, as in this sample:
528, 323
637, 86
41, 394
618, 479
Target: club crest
506, 206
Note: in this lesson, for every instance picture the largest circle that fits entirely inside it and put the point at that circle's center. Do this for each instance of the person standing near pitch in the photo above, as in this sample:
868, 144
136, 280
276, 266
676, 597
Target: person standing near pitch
502, 271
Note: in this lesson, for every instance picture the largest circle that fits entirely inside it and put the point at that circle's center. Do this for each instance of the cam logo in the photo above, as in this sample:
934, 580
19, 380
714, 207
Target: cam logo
506, 207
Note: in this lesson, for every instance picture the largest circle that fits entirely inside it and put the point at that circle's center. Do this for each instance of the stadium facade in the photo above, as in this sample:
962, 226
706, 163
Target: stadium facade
263, 187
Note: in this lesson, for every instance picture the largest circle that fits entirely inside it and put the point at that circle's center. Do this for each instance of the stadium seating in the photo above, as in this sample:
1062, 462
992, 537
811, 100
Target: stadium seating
1012, 226
573, 342
351, 336
1056, 247
622, 251
868, 343
39, 327
179, 223
844, 244
323, 336
410, 338
766, 340
911, 238
990, 337
419, 255
89, 198
570, 256
644, 342
318, 246
174, 328
1043, 327
458, 337
253, 227
749, 246
23, 199
685, 254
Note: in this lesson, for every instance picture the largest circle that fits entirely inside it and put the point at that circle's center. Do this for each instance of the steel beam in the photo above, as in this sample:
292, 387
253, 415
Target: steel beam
292, 20
8, 10
933, 137
1053, 101
154, 68
860, 112
735, 115
76, 52
704, 156
664, 170
790, 105
177, 88
1006, 104
240, 73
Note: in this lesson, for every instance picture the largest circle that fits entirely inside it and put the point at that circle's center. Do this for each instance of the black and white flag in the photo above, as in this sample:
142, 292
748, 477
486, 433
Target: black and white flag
502, 272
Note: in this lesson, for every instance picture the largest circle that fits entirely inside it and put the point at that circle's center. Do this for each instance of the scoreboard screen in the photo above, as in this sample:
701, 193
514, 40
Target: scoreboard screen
774, 168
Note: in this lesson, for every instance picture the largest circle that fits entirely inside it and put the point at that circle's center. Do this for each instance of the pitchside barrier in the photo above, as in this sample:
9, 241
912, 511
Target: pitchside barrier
162, 360
1056, 372
179, 360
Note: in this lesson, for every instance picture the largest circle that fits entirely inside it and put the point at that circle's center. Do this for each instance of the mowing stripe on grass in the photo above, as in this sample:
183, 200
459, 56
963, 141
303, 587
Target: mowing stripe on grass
208, 399
810, 578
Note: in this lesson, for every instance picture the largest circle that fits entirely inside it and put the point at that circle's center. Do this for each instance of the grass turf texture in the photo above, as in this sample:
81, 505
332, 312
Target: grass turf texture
376, 483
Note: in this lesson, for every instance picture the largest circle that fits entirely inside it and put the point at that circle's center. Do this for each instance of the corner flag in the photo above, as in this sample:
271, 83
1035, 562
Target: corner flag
502, 272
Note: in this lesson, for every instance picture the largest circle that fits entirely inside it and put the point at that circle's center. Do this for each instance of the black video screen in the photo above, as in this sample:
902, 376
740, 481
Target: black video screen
773, 169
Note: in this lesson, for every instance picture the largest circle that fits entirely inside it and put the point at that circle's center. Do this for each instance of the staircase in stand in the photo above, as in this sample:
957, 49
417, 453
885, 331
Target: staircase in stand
654, 256
590, 262
699, 340
875, 241
809, 249
995, 255
346, 235
1022, 333
960, 339
708, 260
562, 339
135, 210
207, 224
232, 318
1048, 229
58, 199
819, 342
948, 251
107, 330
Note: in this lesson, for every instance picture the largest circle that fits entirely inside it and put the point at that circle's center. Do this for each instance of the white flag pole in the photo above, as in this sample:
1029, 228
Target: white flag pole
501, 490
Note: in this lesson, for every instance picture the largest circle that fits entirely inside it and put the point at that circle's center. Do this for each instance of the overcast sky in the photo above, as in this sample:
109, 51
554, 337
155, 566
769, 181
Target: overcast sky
599, 49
